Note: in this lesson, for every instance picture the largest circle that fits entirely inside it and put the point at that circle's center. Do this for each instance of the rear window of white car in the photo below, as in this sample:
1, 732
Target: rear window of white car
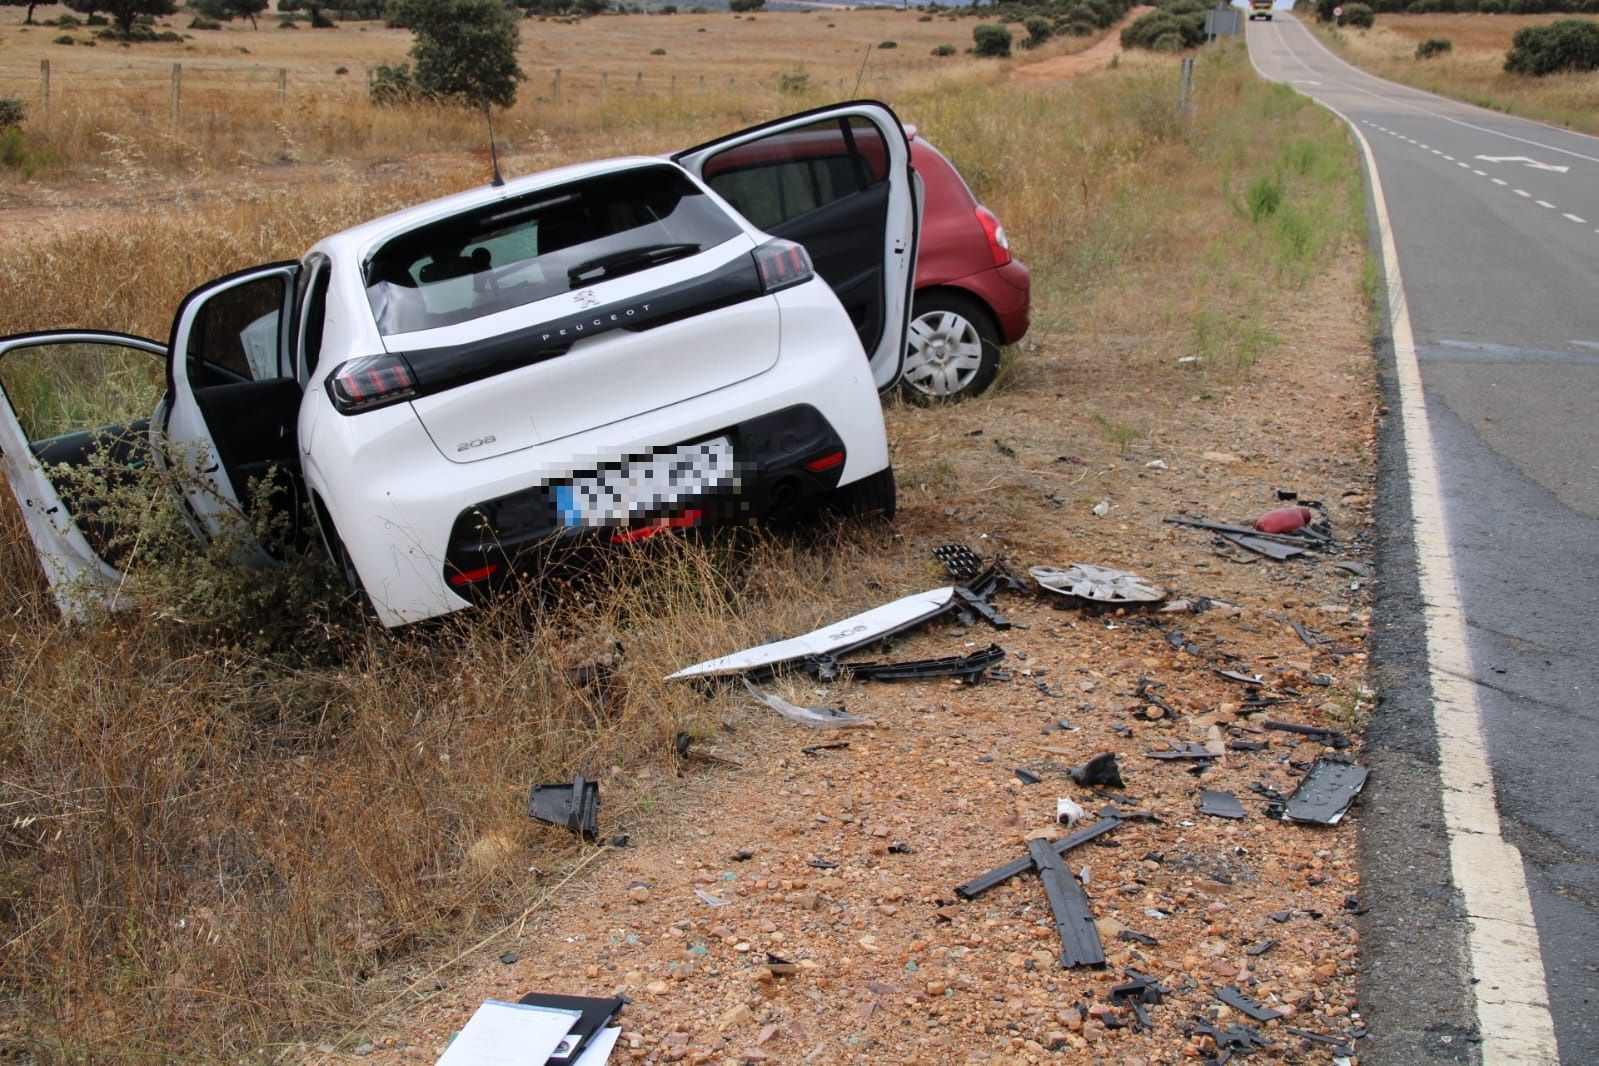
540, 245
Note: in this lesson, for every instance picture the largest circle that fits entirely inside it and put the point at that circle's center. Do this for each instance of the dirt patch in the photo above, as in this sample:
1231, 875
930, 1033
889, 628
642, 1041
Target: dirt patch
845, 861
1093, 58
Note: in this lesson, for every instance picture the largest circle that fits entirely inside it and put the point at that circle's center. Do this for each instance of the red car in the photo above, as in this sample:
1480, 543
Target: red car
972, 296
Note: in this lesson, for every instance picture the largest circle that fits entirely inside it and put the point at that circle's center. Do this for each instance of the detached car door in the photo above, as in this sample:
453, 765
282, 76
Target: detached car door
234, 394
837, 180
75, 414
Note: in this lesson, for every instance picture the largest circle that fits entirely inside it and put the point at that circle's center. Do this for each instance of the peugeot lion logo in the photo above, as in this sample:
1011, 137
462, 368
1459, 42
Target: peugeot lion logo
585, 298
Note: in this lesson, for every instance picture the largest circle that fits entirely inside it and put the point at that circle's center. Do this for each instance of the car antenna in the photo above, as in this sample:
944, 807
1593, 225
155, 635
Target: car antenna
494, 156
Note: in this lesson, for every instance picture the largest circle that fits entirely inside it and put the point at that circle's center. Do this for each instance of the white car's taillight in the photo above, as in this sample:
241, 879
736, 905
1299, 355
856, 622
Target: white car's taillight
371, 381
998, 245
782, 264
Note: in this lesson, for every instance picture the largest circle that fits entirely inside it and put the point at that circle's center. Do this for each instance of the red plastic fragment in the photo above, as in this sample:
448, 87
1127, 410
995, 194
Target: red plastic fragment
1283, 520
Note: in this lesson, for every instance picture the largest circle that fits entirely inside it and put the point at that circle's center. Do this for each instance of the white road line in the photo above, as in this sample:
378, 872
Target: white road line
1452, 159
1578, 219
1512, 999
1544, 203
1465, 165
1522, 192
1499, 181
1479, 173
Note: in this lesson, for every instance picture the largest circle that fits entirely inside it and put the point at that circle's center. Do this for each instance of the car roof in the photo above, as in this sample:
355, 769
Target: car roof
358, 242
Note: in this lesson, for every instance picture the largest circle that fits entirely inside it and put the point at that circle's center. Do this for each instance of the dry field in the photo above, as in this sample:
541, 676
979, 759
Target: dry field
253, 834
1474, 70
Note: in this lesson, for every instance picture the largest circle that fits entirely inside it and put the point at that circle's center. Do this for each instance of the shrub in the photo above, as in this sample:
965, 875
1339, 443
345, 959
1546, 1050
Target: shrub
888, 44
168, 35
1567, 45
1165, 30
68, 22
287, 23
11, 113
991, 40
1038, 30
657, 51
200, 22
1434, 46
924, 18
1359, 16
66, 38
96, 20
1491, 7
944, 50
796, 81
393, 85
741, 6
341, 70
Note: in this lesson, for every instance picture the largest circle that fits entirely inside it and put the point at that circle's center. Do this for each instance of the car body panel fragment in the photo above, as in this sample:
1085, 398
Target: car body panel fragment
1000, 874
1079, 939
1325, 794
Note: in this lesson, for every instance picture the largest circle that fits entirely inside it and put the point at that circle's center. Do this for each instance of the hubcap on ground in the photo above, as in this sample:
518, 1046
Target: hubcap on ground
944, 355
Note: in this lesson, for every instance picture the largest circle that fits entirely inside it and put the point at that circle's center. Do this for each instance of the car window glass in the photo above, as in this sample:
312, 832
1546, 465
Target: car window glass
778, 177
543, 244
58, 389
237, 334
313, 315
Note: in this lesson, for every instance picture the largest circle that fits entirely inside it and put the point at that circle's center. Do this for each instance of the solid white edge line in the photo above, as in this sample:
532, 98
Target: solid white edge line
1578, 219
1512, 999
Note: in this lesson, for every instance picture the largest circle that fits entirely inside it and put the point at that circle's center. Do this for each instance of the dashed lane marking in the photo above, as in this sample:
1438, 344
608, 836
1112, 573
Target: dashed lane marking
1578, 219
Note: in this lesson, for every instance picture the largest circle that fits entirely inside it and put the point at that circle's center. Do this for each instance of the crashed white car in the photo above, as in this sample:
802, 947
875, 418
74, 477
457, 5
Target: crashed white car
602, 351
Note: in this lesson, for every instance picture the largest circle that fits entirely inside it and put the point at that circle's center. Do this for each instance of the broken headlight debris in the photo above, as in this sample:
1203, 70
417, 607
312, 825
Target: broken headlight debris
815, 717
575, 806
1325, 794
961, 562
1074, 921
1085, 584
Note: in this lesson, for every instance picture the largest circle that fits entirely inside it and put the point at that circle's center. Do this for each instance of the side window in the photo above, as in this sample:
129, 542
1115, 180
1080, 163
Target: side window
237, 335
777, 178
61, 389
313, 307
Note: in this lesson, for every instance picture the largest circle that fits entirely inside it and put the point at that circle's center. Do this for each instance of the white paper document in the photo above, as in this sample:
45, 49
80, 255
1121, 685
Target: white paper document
597, 1052
509, 1034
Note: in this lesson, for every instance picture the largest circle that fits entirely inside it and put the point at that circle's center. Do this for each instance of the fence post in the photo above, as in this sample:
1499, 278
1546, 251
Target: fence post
368, 81
638, 84
672, 89
557, 84
44, 84
177, 91
702, 83
1185, 85
283, 86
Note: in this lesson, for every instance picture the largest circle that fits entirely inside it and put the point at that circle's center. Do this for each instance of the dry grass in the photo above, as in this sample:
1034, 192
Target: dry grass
1474, 70
214, 852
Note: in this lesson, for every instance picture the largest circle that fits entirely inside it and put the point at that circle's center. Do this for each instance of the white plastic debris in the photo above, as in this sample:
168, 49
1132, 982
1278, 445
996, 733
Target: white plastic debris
710, 900
1155, 464
1102, 508
1067, 812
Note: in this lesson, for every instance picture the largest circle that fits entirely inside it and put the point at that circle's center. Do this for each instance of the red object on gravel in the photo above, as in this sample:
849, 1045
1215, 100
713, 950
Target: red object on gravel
1283, 520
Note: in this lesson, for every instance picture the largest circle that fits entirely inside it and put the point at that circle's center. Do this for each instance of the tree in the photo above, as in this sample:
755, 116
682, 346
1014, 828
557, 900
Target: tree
319, 21
29, 4
741, 6
465, 50
228, 10
124, 13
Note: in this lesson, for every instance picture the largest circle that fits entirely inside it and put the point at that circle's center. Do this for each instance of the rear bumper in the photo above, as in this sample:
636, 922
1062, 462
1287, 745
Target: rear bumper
784, 461
1007, 292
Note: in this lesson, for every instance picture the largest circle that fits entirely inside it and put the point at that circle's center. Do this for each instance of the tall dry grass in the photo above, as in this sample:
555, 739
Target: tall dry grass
213, 851
1474, 71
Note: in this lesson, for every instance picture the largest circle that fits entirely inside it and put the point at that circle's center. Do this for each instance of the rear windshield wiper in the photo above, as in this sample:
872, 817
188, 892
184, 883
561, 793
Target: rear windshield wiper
625, 262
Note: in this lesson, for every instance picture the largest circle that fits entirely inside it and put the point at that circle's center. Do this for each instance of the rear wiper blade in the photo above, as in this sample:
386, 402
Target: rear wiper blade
627, 261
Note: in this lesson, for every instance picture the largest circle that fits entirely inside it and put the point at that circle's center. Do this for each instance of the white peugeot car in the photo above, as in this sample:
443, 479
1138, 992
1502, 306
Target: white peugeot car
603, 351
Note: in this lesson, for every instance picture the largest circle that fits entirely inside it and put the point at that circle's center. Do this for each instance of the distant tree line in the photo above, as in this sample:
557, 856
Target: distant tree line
1324, 8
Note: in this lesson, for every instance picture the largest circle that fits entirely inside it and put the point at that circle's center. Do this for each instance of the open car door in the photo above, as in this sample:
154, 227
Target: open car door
234, 395
75, 414
837, 180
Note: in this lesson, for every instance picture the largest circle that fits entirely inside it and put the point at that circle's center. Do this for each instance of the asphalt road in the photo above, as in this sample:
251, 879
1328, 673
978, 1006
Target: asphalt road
1496, 225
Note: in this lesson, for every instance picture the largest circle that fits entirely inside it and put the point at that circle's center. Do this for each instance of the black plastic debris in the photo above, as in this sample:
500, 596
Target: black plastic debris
817, 749
1248, 680
1220, 804
1026, 776
1331, 737
1308, 635
1000, 874
961, 562
1079, 938
1182, 749
1325, 794
1243, 1004
1276, 546
1146, 692
575, 806
1246, 745
1340, 1046
1138, 938
509, 957
1235, 1039
1262, 947
899, 848
742, 856
1138, 991
969, 668
1100, 770
1280, 917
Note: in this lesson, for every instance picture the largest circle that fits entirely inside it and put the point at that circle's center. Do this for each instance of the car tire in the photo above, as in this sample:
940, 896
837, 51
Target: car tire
952, 348
874, 494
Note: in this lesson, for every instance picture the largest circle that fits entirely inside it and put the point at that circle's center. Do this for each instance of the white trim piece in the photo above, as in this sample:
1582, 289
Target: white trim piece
1510, 993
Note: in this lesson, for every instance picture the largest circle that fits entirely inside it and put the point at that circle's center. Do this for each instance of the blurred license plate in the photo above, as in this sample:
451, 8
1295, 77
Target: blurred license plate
646, 485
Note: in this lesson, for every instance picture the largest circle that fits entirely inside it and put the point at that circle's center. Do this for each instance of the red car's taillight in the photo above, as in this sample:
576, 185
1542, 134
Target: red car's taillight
782, 264
998, 246
371, 381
